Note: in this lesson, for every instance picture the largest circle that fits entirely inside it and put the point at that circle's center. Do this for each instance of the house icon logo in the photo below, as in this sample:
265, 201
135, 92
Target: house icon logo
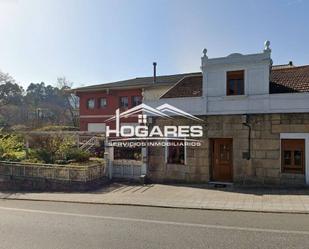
164, 111
142, 130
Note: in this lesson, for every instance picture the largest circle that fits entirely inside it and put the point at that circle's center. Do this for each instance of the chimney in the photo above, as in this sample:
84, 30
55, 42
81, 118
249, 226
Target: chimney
154, 72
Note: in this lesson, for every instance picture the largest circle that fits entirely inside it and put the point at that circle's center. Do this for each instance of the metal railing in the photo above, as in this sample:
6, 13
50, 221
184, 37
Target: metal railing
89, 144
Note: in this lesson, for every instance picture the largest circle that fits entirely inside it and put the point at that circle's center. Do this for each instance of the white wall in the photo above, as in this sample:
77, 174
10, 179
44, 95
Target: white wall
267, 103
154, 93
256, 98
96, 127
195, 105
255, 66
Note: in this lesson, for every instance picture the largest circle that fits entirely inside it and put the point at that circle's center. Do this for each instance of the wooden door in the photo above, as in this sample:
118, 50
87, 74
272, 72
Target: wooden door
222, 158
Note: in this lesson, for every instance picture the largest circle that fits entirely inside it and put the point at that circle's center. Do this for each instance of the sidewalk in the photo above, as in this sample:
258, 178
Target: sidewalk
199, 197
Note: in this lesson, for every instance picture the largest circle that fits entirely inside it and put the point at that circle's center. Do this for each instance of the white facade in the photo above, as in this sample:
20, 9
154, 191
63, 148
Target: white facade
256, 68
256, 98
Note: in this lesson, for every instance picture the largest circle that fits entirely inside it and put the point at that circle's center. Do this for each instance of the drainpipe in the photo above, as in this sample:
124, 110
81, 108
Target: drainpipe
246, 123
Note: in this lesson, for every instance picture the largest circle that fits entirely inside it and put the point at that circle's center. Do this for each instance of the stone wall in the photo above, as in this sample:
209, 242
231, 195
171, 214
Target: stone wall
15, 183
197, 163
264, 167
35, 176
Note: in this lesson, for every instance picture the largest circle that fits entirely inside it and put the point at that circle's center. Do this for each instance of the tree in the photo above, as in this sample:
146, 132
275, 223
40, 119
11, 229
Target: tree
10, 91
39, 105
72, 100
5, 77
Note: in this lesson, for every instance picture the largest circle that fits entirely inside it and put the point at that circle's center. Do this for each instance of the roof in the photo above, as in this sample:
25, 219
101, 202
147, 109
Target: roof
189, 86
137, 82
289, 79
283, 79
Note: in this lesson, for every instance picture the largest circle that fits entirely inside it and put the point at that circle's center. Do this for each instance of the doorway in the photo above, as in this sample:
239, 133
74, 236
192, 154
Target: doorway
222, 159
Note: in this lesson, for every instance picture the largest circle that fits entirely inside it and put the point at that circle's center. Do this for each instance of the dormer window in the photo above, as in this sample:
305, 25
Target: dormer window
235, 83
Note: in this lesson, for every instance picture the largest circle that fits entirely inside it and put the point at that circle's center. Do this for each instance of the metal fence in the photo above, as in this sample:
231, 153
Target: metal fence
54, 171
129, 169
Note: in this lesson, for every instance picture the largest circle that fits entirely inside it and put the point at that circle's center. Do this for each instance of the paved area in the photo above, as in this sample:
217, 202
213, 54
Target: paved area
29, 224
199, 197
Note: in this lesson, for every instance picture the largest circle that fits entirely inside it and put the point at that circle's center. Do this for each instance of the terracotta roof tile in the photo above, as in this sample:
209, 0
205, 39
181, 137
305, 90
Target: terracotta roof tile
283, 79
289, 79
189, 86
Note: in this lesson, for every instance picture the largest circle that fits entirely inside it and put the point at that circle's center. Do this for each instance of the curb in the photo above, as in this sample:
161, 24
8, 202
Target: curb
163, 206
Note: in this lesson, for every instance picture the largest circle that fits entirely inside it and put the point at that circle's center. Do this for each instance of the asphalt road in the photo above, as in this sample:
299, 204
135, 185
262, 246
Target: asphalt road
31, 224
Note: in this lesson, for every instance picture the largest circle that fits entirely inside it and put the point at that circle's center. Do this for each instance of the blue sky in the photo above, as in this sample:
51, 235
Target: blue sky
98, 41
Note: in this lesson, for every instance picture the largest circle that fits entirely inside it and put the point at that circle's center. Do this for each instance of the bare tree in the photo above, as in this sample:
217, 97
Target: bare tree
5, 77
72, 100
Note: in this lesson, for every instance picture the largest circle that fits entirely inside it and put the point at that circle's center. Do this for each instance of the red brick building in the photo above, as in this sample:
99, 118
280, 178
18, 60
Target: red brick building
97, 106
99, 102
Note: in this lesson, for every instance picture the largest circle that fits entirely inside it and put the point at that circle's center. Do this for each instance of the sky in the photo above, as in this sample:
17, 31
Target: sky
97, 41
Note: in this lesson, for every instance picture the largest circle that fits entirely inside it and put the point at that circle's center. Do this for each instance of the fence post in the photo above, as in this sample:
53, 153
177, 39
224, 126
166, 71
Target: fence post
144, 161
108, 164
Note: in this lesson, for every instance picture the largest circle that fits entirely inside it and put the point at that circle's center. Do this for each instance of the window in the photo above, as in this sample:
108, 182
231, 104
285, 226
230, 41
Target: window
136, 100
102, 102
134, 153
124, 102
293, 155
235, 83
176, 154
90, 103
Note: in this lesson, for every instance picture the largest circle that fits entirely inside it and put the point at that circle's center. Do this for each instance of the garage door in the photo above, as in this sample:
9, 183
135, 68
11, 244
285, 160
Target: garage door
96, 127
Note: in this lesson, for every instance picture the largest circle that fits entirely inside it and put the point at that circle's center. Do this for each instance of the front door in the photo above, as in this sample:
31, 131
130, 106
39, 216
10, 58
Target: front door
222, 160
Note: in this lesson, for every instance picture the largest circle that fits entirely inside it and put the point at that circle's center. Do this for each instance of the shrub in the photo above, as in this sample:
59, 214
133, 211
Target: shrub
51, 148
77, 155
45, 156
33, 160
14, 156
58, 128
18, 127
11, 147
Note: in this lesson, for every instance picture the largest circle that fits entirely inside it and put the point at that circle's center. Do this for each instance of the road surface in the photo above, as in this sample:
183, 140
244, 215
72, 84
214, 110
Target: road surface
34, 224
